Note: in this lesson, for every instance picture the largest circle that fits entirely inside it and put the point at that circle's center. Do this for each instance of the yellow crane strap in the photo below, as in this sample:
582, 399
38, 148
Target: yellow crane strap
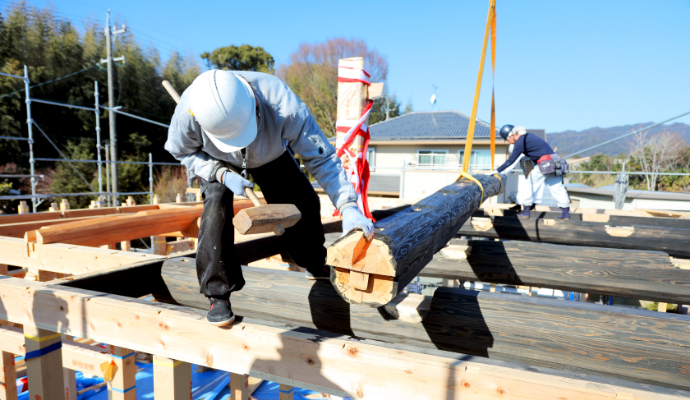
469, 177
490, 22
492, 133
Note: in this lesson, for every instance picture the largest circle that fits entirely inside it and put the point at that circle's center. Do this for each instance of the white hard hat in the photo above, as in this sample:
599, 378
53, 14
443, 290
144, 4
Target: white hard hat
224, 105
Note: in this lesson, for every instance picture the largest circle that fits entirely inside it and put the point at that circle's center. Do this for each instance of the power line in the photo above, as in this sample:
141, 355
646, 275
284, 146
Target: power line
52, 80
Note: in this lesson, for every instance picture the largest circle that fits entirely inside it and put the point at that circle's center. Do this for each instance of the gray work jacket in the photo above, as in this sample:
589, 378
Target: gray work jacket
284, 119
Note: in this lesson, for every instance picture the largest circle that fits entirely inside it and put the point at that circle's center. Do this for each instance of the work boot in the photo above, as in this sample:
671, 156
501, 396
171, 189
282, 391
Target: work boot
220, 313
320, 273
565, 214
525, 212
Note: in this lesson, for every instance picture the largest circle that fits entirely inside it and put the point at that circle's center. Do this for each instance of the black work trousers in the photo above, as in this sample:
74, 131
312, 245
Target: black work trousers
282, 182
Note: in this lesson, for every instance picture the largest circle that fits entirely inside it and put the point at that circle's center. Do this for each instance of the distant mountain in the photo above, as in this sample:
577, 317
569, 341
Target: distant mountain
569, 142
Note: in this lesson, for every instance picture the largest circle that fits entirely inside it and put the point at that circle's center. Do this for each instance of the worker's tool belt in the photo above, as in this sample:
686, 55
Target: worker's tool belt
527, 165
551, 163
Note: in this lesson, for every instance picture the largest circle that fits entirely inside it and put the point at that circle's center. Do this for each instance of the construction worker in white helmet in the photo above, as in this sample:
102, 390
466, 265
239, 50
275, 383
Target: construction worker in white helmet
253, 121
548, 169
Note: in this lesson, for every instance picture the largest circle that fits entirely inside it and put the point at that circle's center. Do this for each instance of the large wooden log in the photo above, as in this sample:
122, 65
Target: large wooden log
635, 237
373, 273
632, 344
642, 275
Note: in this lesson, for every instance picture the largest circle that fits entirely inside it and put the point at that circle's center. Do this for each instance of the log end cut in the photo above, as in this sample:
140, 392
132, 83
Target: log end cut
363, 272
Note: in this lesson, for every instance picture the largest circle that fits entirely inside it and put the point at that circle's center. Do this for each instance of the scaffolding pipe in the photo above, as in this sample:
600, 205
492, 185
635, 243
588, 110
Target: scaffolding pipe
62, 104
98, 136
135, 116
107, 171
150, 178
14, 76
14, 138
19, 176
29, 124
109, 162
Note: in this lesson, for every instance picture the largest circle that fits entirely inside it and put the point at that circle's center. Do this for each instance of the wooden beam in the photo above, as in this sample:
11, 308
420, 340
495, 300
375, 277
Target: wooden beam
179, 246
311, 360
596, 339
117, 228
19, 229
64, 258
70, 380
641, 275
373, 273
171, 379
670, 240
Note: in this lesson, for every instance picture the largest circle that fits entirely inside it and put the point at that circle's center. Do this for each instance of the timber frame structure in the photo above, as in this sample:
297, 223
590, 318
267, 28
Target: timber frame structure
79, 290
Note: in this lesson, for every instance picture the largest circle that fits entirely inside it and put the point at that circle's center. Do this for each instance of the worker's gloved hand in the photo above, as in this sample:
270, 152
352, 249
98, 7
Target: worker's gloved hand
353, 219
236, 183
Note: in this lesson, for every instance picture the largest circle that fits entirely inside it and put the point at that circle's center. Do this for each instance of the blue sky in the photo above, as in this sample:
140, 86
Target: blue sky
560, 65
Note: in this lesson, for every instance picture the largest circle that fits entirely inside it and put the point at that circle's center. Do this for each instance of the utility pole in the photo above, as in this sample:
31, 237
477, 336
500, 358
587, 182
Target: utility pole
109, 33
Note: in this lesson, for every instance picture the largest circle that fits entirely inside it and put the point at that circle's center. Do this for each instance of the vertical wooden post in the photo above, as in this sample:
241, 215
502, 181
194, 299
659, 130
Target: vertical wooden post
70, 379
239, 386
54, 207
155, 199
178, 198
286, 392
4, 269
23, 207
662, 307
44, 363
8, 377
171, 379
64, 205
160, 246
126, 245
124, 385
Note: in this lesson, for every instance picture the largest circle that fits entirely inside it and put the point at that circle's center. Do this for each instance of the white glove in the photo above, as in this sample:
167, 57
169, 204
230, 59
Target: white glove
494, 172
353, 219
236, 183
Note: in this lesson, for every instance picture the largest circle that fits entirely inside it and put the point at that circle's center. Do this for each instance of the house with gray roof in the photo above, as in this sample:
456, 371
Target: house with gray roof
420, 152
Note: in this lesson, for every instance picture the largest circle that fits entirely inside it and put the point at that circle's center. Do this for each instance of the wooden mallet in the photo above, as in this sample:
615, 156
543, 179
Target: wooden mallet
262, 218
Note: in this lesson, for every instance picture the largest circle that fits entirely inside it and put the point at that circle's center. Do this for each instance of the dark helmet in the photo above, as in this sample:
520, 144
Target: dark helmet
505, 131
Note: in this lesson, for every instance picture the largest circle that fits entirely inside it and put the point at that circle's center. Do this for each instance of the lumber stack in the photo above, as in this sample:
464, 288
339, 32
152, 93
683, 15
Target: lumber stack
673, 241
637, 345
373, 273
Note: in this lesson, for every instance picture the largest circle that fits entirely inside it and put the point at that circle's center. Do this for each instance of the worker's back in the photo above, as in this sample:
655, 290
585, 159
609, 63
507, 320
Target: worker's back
532, 146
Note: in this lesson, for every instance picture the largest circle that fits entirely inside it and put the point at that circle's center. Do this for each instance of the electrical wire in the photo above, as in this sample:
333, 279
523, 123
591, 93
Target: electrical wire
52, 80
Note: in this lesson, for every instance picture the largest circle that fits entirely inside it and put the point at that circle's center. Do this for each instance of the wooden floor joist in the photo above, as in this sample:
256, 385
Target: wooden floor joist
299, 357
585, 337
373, 273
64, 258
580, 233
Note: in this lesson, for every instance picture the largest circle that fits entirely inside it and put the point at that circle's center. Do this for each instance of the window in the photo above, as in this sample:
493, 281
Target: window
480, 160
431, 159
371, 158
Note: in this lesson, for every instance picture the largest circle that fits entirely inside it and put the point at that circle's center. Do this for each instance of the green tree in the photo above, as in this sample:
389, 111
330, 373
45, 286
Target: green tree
390, 103
240, 58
